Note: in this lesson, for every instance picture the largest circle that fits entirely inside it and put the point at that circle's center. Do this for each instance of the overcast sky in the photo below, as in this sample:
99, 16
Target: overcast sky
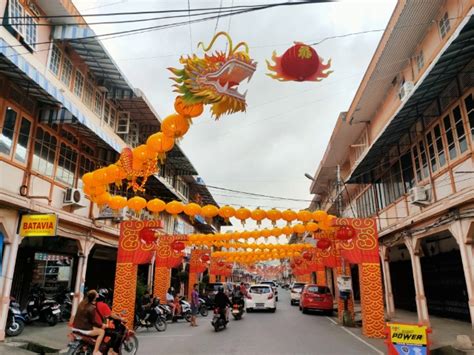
286, 128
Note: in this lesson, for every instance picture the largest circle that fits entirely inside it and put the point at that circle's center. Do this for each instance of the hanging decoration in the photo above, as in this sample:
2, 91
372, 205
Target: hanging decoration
298, 63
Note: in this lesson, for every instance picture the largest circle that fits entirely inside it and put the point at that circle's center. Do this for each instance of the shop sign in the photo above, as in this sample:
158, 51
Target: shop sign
407, 339
344, 283
38, 225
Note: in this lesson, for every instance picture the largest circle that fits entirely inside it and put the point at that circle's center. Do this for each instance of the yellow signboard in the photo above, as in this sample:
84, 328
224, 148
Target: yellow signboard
408, 334
38, 225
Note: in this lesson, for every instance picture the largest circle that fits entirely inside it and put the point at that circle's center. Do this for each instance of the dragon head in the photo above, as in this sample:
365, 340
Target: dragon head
215, 78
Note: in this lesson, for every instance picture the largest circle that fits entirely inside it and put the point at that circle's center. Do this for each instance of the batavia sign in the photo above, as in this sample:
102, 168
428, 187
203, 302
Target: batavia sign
38, 225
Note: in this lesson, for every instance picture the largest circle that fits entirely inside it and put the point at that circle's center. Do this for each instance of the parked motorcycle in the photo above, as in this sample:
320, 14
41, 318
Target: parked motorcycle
64, 298
185, 311
41, 308
166, 311
15, 321
156, 318
219, 320
83, 344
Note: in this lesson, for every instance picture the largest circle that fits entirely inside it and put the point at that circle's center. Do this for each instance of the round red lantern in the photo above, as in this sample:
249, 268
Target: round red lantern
307, 255
205, 258
293, 265
177, 246
345, 233
221, 263
323, 244
298, 261
229, 266
147, 236
300, 62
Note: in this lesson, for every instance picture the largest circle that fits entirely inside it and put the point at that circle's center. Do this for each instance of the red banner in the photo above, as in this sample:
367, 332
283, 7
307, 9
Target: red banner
197, 262
364, 248
219, 267
166, 256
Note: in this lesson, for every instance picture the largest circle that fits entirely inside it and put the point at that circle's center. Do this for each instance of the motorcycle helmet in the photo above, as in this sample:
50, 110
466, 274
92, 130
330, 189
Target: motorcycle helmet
103, 293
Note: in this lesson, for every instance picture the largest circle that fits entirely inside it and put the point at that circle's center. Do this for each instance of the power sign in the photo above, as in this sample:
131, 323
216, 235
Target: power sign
407, 339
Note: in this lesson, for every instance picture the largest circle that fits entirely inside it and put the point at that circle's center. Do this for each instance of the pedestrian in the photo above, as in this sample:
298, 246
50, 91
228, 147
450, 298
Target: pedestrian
194, 304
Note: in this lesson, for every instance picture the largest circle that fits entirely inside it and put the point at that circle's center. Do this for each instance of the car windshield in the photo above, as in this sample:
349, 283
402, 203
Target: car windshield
318, 289
298, 286
271, 283
259, 289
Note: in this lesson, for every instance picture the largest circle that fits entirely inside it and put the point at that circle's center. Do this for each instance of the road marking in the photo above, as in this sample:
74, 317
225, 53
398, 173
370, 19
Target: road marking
358, 337
165, 336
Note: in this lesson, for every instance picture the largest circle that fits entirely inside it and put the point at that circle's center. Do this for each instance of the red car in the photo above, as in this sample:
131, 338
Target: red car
316, 298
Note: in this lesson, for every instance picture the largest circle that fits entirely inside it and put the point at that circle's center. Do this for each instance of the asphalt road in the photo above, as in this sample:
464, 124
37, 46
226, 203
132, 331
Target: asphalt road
287, 331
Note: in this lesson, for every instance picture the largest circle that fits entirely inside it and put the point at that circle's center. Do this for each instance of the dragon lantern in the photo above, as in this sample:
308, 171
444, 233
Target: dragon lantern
215, 78
298, 63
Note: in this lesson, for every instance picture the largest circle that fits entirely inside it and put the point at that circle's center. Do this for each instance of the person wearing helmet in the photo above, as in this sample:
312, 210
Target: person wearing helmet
222, 301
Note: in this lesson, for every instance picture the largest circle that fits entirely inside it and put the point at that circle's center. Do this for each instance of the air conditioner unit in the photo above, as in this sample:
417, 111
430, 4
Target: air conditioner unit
405, 90
74, 197
419, 196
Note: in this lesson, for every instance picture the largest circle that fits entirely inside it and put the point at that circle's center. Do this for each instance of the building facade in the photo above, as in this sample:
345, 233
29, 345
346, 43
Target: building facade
66, 109
405, 152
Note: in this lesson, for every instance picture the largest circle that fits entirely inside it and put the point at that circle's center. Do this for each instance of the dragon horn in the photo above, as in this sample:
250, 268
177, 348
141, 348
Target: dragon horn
225, 34
241, 44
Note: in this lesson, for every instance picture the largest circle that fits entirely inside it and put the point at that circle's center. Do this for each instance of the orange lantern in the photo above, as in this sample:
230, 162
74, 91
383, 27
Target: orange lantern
136, 203
88, 179
226, 212
319, 216
242, 214
156, 205
274, 215
311, 227
209, 211
160, 144
117, 202
288, 215
299, 228
276, 232
193, 110
99, 177
258, 215
94, 190
265, 233
304, 216
102, 199
192, 209
174, 208
113, 173
141, 153
175, 126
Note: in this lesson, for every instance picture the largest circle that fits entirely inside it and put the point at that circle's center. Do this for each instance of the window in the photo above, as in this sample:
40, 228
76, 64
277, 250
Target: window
55, 60
66, 73
182, 187
424, 159
469, 102
407, 171
8, 130
106, 112
431, 152
86, 165
113, 119
30, 31
450, 137
88, 94
420, 61
460, 131
439, 145
444, 25
78, 84
365, 204
45, 152
416, 159
98, 103
16, 10
21, 149
66, 169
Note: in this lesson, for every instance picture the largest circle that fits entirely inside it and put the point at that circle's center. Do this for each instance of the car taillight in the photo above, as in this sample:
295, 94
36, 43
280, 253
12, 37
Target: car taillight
236, 306
270, 296
216, 310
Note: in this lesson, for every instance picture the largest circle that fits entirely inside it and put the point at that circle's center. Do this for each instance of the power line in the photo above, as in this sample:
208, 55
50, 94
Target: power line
255, 194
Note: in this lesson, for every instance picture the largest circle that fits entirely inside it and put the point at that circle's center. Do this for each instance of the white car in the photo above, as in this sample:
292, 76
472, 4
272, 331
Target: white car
295, 292
260, 297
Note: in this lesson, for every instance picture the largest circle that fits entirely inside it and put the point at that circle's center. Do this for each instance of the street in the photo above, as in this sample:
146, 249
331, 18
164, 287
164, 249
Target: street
287, 331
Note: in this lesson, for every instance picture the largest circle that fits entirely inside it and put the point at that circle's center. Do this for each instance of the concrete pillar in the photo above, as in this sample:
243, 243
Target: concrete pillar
151, 267
462, 231
7, 283
420, 298
6, 256
389, 303
85, 248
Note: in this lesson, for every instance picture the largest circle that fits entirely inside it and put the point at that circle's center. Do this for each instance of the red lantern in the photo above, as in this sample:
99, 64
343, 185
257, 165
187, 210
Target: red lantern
205, 258
177, 246
147, 236
229, 266
307, 255
298, 261
293, 265
345, 233
323, 244
221, 263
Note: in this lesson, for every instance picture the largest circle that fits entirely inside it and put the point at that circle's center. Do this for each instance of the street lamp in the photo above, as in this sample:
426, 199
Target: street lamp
309, 176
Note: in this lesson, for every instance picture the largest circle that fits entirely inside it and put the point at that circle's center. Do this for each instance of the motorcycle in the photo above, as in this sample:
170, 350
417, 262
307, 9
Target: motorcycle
41, 308
219, 320
156, 319
82, 344
15, 321
185, 311
203, 307
166, 311
64, 299
237, 310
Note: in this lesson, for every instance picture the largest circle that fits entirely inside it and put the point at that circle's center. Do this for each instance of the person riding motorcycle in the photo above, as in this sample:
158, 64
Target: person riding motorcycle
170, 300
222, 301
103, 312
237, 296
85, 321
144, 307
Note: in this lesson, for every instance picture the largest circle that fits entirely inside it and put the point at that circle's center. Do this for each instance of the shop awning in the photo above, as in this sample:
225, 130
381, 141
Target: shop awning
450, 64
14, 66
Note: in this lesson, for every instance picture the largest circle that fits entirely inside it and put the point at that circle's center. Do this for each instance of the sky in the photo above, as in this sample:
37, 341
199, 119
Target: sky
285, 130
